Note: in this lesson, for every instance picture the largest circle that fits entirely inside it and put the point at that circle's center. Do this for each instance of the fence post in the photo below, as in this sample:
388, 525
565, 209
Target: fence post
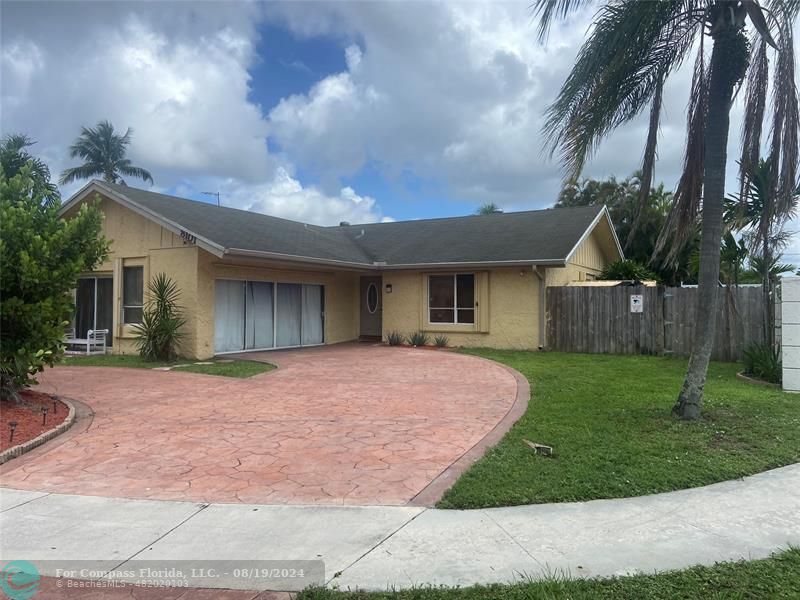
790, 332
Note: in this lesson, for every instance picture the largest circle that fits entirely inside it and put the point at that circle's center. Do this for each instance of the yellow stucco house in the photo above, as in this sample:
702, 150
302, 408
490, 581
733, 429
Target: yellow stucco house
252, 282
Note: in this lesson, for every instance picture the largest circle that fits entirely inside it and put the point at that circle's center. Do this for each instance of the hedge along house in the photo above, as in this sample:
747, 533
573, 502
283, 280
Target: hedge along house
249, 281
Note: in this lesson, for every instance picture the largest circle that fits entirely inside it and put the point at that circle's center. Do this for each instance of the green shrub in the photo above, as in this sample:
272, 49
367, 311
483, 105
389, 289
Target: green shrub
627, 270
763, 362
441, 341
395, 338
418, 338
41, 257
159, 334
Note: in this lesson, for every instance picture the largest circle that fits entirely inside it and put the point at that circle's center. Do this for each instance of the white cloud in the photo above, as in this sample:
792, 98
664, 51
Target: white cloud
451, 93
456, 92
284, 196
180, 81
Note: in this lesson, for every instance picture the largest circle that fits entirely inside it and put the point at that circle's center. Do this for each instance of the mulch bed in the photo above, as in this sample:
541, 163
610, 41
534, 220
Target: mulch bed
28, 416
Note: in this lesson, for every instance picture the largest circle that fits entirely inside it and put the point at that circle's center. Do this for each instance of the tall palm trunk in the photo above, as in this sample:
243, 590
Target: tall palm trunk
725, 73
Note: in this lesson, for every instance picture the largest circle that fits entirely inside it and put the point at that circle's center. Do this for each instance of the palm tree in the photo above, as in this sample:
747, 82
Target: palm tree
103, 152
762, 211
14, 156
488, 208
633, 47
773, 269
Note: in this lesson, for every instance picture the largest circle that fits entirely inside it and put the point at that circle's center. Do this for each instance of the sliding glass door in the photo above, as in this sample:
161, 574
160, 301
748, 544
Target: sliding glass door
312, 310
94, 306
229, 316
259, 315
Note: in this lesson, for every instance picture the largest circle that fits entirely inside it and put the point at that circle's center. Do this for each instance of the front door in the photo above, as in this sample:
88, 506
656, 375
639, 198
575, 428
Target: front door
371, 307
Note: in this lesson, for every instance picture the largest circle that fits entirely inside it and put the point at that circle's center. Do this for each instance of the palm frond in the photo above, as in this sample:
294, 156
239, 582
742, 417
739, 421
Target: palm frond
85, 171
649, 161
754, 106
547, 11
127, 169
632, 46
686, 203
758, 20
784, 152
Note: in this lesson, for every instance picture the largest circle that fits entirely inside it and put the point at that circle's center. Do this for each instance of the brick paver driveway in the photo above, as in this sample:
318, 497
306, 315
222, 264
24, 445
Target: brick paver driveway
349, 424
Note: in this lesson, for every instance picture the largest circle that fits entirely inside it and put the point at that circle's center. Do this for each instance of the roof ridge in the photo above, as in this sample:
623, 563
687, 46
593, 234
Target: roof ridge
597, 207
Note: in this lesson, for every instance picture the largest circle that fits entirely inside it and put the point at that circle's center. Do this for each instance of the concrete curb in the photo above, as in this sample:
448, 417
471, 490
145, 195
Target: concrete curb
48, 435
433, 492
753, 381
399, 547
82, 421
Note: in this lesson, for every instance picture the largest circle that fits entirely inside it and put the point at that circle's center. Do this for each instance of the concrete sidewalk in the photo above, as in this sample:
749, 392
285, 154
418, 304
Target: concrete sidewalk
381, 547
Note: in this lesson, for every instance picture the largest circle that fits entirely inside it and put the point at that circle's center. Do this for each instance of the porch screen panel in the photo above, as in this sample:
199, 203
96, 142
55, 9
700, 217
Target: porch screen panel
288, 314
105, 307
258, 316
84, 307
229, 316
312, 314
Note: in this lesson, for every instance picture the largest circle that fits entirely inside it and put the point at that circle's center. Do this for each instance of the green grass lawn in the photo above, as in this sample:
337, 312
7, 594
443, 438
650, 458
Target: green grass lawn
608, 420
775, 577
234, 368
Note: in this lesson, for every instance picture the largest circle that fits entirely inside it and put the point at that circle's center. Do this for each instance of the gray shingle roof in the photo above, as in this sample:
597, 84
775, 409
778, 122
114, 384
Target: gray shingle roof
537, 236
246, 230
541, 235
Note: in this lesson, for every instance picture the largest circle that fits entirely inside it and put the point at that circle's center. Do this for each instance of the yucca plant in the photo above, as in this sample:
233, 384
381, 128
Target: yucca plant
159, 334
418, 338
441, 341
395, 338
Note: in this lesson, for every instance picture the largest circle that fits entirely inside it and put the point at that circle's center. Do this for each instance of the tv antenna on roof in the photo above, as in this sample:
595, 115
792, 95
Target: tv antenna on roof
213, 194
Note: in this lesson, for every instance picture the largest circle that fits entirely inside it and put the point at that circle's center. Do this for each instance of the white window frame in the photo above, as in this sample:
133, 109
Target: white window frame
455, 308
127, 306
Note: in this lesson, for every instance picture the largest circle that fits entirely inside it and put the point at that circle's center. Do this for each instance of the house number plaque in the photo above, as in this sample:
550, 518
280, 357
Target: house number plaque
188, 237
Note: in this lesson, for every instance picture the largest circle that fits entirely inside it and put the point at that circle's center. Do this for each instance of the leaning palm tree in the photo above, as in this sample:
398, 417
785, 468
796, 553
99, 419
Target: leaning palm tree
632, 48
103, 152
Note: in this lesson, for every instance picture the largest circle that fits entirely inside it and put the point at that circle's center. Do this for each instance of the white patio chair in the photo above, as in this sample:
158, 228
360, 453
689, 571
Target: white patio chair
96, 341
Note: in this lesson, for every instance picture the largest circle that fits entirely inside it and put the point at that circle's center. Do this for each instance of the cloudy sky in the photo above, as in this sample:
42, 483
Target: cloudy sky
315, 111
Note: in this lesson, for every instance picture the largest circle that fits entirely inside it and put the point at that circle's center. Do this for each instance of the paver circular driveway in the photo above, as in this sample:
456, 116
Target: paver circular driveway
349, 424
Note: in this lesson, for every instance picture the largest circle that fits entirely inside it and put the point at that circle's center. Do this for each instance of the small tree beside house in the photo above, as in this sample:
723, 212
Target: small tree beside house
41, 257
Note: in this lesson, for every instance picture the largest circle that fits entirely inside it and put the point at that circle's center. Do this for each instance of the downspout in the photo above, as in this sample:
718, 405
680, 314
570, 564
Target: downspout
541, 276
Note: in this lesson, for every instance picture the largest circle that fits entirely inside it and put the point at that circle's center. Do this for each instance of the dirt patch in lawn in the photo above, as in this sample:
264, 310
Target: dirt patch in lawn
27, 414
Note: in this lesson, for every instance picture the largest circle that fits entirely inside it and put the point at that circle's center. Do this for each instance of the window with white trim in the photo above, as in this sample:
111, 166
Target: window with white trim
132, 294
451, 298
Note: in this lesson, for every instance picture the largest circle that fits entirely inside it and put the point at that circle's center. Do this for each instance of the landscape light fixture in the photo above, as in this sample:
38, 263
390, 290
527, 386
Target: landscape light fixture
55, 406
12, 425
44, 415
212, 194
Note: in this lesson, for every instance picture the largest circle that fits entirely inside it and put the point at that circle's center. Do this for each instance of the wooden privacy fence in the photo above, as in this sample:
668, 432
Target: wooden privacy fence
600, 320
